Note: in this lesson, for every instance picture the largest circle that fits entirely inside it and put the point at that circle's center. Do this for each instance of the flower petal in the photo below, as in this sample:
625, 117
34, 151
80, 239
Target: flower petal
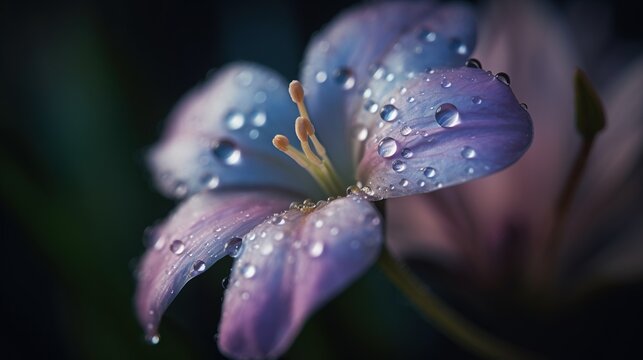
220, 135
336, 67
289, 268
461, 125
202, 230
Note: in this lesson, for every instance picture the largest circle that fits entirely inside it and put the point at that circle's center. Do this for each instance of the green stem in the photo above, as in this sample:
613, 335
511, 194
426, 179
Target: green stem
443, 317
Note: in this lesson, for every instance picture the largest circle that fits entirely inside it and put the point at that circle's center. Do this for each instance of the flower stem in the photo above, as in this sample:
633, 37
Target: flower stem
443, 317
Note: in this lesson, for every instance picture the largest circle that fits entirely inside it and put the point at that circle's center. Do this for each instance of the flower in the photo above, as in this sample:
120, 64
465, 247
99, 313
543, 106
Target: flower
387, 93
493, 232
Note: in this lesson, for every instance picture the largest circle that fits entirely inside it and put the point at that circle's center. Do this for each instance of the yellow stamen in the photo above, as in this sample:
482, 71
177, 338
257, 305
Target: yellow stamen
302, 129
315, 162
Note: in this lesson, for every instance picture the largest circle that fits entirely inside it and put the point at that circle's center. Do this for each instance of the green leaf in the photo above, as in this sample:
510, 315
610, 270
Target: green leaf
590, 116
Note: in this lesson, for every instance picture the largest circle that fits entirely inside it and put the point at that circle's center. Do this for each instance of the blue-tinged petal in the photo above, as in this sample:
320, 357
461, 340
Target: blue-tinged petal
202, 230
289, 267
461, 125
220, 136
338, 65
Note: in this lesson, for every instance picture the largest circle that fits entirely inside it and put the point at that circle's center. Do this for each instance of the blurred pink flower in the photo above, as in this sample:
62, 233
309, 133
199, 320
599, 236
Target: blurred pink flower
491, 232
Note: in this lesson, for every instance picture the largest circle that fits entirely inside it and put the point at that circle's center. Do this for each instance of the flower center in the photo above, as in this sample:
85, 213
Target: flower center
316, 161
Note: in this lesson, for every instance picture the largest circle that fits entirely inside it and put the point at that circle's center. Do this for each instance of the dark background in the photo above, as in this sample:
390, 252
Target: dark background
84, 89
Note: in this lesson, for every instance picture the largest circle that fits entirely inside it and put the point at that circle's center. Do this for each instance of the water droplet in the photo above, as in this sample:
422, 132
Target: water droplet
398, 165
379, 73
279, 235
180, 189
406, 130
258, 118
387, 147
473, 63
210, 181
227, 152
503, 78
447, 115
266, 249
404, 183
224, 282
233, 247
427, 35
345, 78
371, 106
198, 266
316, 249
177, 247
430, 172
470, 170
403, 90
245, 295
524, 106
421, 183
360, 133
445, 83
389, 113
235, 120
153, 339
321, 77
407, 153
390, 77
277, 220
476, 100
367, 93
248, 271
458, 46
468, 152
410, 99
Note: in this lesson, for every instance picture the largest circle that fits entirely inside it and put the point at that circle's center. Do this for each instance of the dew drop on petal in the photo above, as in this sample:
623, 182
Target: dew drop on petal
198, 266
430, 172
389, 113
177, 247
445, 83
407, 153
180, 189
427, 35
248, 271
468, 152
227, 152
476, 100
153, 339
406, 130
473, 63
387, 147
235, 120
371, 106
360, 133
258, 118
524, 106
233, 247
503, 78
316, 249
458, 46
345, 77
398, 165
421, 183
447, 115
404, 183
210, 181
266, 248
410, 99
321, 77
367, 93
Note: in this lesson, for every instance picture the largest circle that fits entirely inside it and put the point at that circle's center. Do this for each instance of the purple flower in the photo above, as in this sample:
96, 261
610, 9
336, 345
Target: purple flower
387, 94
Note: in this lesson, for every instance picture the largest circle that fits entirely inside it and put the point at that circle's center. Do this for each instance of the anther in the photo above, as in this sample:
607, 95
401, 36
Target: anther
296, 91
281, 142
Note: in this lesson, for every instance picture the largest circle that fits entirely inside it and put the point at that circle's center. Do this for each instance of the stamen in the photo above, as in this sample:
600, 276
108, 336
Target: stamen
303, 127
297, 95
315, 162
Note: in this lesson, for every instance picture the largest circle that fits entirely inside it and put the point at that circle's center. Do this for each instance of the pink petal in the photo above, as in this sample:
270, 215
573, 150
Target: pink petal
290, 266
